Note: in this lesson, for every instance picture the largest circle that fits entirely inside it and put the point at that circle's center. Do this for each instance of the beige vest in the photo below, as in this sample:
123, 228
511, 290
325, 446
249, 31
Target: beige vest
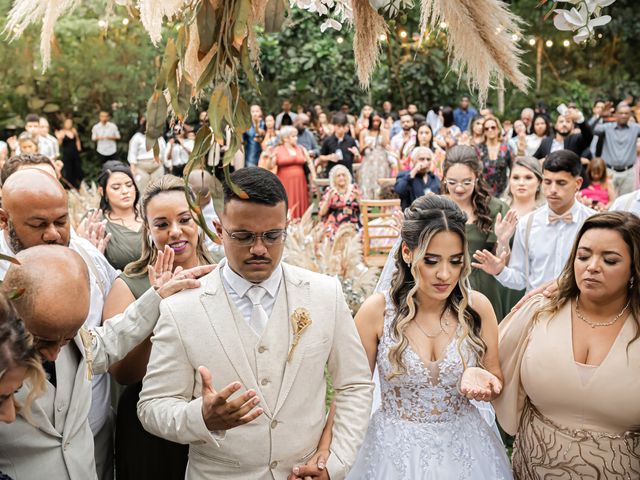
267, 354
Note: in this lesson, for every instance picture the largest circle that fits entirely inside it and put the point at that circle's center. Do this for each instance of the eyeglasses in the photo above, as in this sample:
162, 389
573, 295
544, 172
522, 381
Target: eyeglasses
246, 239
493, 127
454, 183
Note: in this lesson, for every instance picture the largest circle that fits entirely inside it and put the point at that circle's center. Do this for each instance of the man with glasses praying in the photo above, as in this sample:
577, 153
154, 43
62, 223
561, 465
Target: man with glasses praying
237, 367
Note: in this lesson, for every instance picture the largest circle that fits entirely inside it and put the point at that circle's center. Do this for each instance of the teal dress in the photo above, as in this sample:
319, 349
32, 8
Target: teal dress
500, 297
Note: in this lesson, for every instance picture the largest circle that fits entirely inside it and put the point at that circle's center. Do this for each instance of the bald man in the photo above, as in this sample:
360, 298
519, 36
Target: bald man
35, 212
54, 439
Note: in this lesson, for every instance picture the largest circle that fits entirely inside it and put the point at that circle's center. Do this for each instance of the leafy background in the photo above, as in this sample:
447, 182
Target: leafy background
93, 68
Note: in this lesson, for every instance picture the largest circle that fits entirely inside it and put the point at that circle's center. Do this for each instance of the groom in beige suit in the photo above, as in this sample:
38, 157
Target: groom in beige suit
265, 330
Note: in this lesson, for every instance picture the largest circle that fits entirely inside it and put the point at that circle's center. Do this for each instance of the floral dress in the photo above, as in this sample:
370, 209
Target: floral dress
496, 172
342, 209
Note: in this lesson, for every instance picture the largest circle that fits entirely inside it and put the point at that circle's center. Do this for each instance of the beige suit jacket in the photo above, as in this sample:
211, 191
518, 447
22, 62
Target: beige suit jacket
198, 328
39, 449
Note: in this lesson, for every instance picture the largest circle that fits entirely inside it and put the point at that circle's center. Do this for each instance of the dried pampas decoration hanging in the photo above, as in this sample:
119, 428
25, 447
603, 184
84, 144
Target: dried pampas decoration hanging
479, 40
369, 25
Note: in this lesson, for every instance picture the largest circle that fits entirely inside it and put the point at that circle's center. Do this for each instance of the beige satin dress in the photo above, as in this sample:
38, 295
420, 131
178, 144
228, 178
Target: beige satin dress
571, 421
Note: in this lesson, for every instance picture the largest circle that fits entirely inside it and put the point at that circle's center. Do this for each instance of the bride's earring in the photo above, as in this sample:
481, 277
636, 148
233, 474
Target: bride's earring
631, 283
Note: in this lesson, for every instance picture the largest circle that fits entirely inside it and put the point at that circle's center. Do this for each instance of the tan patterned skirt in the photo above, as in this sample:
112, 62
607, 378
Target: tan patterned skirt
544, 450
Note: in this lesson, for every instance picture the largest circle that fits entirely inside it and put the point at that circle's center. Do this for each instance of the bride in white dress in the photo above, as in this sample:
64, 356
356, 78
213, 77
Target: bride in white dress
434, 353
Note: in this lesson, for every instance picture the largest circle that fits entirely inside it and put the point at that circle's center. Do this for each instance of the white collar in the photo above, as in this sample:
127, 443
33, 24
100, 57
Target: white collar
242, 286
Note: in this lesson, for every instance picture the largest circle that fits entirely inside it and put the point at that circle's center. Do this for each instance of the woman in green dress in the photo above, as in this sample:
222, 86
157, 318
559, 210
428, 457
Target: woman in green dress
464, 184
119, 197
167, 226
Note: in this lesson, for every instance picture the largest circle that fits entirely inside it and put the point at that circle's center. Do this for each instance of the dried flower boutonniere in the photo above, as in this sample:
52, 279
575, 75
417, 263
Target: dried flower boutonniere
300, 320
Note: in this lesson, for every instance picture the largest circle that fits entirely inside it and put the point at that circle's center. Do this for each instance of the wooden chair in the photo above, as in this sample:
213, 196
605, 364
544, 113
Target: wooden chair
377, 239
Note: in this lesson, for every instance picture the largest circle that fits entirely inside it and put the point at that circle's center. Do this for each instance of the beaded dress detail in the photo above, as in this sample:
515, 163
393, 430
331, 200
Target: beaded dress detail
425, 429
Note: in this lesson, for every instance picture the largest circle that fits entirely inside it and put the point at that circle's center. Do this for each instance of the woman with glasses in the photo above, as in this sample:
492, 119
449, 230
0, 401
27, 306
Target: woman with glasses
465, 185
168, 227
495, 156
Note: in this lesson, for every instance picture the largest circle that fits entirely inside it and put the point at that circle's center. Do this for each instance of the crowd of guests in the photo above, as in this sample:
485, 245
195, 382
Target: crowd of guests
485, 222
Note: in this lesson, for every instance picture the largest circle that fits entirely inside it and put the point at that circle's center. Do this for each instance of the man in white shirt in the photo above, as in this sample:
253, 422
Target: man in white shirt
286, 116
145, 164
46, 136
35, 212
543, 238
629, 202
270, 330
105, 134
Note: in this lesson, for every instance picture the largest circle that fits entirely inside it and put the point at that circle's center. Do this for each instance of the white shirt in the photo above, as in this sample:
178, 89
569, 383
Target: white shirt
101, 391
138, 149
105, 147
549, 248
279, 118
629, 202
179, 153
209, 214
237, 288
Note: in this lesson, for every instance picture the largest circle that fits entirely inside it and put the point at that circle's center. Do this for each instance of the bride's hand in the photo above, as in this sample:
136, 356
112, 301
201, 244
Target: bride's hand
314, 468
479, 384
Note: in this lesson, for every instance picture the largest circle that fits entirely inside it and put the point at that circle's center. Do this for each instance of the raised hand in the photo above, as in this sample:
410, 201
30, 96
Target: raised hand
167, 282
480, 384
93, 228
506, 227
220, 413
488, 262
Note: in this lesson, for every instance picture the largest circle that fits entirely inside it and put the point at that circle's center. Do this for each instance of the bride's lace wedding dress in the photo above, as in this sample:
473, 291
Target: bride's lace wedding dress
424, 428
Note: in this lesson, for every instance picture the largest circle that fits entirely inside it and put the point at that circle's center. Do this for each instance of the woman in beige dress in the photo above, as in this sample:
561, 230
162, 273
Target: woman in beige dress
571, 363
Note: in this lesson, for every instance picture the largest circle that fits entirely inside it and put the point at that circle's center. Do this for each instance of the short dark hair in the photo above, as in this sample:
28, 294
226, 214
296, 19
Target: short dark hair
32, 118
599, 100
563, 161
447, 117
260, 185
14, 163
339, 119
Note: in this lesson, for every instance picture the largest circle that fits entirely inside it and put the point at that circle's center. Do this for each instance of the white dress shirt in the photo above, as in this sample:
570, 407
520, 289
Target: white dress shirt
101, 398
237, 288
549, 248
629, 202
101, 130
179, 153
138, 149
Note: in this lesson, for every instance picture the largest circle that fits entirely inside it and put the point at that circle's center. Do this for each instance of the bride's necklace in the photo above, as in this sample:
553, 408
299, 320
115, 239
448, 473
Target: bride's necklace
596, 324
443, 326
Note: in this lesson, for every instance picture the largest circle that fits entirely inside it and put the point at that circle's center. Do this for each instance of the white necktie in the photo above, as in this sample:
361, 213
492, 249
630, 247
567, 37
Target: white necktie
259, 317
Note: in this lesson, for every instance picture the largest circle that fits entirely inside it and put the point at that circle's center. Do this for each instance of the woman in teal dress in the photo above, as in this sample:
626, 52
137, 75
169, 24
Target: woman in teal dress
119, 197
167, 226
464, 184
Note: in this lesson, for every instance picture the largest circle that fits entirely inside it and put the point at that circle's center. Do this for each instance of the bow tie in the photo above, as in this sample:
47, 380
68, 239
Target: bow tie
566, 218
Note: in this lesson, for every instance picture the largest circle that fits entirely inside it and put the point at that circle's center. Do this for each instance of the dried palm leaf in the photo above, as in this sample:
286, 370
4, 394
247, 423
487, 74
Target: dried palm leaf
479, 40
369, 26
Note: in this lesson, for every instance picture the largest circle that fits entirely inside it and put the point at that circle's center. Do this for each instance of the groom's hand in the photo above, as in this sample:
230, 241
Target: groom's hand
219, 412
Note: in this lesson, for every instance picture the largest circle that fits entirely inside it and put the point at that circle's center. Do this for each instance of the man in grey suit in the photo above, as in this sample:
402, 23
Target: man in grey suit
54, 438
237, 367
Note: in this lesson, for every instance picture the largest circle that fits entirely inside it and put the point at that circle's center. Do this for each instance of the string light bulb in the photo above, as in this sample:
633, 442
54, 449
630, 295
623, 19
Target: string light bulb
566, 43
102, 23
515, 37
382, 38
340, 40
532, 41
125, 21
549, 43
443, 25
403, 34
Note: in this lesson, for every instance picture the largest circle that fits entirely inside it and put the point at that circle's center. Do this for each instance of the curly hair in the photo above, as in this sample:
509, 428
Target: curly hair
426, 217
468, 156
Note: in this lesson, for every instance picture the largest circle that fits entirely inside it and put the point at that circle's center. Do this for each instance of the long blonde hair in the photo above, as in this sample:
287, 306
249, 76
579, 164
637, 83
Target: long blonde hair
426, 217
17, 349
166, 183
628, 226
